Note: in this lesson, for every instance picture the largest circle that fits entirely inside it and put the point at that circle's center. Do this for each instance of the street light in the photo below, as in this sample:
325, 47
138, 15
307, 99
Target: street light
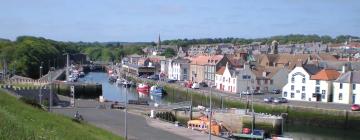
210, 118
40, 74
126, 137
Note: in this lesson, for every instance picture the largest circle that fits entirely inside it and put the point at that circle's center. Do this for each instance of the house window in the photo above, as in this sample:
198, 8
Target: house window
292, 79
234, 81
266, 81
340, 96
303, 97
229, 80
223, 79
292, 95
258, 82
285, 94
292, 87
341, 85
271, 82
317, 82
303, 88
323, 94
317, 89
354, 86
303, 80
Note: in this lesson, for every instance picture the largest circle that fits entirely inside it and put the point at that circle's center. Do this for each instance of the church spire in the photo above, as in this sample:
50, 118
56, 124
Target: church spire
159, 43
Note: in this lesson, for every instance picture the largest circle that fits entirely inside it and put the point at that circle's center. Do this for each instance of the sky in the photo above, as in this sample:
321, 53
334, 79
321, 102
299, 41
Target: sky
144, 20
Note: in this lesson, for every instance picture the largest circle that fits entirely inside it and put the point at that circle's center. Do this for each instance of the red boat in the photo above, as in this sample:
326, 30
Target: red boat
143, 87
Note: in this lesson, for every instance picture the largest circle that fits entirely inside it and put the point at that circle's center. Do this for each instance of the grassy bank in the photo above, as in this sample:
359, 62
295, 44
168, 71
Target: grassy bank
21, 121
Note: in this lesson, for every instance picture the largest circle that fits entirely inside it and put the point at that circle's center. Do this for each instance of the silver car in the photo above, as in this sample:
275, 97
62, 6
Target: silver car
280, 100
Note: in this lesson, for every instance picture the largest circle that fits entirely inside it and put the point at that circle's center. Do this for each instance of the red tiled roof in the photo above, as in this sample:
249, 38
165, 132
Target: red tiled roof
203, 59
326, 74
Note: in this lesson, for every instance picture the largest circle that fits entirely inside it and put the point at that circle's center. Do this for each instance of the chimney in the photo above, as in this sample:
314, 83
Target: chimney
264, 74
343, 69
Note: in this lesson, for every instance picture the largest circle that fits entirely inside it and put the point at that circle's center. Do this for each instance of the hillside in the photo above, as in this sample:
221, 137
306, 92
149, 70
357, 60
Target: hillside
21, 121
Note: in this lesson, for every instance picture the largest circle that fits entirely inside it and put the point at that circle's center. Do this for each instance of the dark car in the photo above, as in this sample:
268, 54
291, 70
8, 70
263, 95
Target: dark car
276, 91
116, 105
171, 81
203, 84
143, 76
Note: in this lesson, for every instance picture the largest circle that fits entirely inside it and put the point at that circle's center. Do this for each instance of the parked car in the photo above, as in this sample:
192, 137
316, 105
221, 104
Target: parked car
203, 84
245, 93
143, 76
268, 99
355, 107
195, 86
116, 105
153, 77
276, 91
280, 100
258, 92
171, 81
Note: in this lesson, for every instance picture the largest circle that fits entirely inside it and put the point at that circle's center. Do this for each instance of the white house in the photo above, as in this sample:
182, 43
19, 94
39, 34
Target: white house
324, 84
178, 69
226, 80
347, 88
300, 86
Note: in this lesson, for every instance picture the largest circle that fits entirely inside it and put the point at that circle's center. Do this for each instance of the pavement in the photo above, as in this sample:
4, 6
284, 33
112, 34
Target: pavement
139, 126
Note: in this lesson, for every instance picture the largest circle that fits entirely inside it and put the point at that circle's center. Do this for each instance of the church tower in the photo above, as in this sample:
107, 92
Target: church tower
159, 43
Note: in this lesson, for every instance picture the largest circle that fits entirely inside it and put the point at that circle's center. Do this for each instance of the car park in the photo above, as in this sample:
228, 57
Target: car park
355, 107
268, 99
280, 100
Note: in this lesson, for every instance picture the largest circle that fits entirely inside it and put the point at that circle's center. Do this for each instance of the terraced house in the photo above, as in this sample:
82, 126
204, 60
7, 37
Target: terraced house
347, 88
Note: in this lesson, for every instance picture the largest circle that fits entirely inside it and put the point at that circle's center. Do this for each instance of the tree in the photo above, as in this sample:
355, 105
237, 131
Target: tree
168, 53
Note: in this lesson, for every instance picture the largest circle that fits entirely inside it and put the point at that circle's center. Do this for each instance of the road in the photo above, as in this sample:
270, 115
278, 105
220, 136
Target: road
259, 98
139, 127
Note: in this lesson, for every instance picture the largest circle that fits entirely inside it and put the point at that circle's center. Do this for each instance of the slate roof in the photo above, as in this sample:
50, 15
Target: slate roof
311, 68
349, 77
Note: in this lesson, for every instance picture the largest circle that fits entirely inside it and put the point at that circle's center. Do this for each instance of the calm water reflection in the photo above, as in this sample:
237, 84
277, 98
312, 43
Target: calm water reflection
113, 92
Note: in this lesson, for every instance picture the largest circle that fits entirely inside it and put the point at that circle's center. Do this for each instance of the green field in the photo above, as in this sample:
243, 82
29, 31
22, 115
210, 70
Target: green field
19, 121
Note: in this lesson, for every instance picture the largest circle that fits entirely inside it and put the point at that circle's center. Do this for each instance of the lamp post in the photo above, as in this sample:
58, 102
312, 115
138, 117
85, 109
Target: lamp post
126, 137
210, 117
40, 74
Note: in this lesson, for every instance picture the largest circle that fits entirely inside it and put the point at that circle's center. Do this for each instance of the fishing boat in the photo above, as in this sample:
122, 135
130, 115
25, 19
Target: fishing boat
156, 90
126, 84
143, 87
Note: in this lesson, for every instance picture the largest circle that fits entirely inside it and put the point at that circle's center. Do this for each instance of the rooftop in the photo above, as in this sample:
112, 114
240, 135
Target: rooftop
326, 74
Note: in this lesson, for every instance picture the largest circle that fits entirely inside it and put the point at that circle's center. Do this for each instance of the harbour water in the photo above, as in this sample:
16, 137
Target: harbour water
117, 93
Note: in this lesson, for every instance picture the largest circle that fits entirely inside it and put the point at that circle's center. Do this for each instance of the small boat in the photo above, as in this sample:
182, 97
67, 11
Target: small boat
156, 90
126, 84
143, 87
82, 74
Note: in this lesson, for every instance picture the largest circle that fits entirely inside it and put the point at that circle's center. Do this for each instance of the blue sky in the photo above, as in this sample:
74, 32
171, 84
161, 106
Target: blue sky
143, 20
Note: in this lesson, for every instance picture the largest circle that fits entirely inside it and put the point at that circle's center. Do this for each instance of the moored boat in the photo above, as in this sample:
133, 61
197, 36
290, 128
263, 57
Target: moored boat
143, 87
156, 90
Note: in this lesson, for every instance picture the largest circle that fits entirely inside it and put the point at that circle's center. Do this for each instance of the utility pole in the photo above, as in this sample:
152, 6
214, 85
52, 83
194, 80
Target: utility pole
67, 67
50, 98
126, 137
210, 118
